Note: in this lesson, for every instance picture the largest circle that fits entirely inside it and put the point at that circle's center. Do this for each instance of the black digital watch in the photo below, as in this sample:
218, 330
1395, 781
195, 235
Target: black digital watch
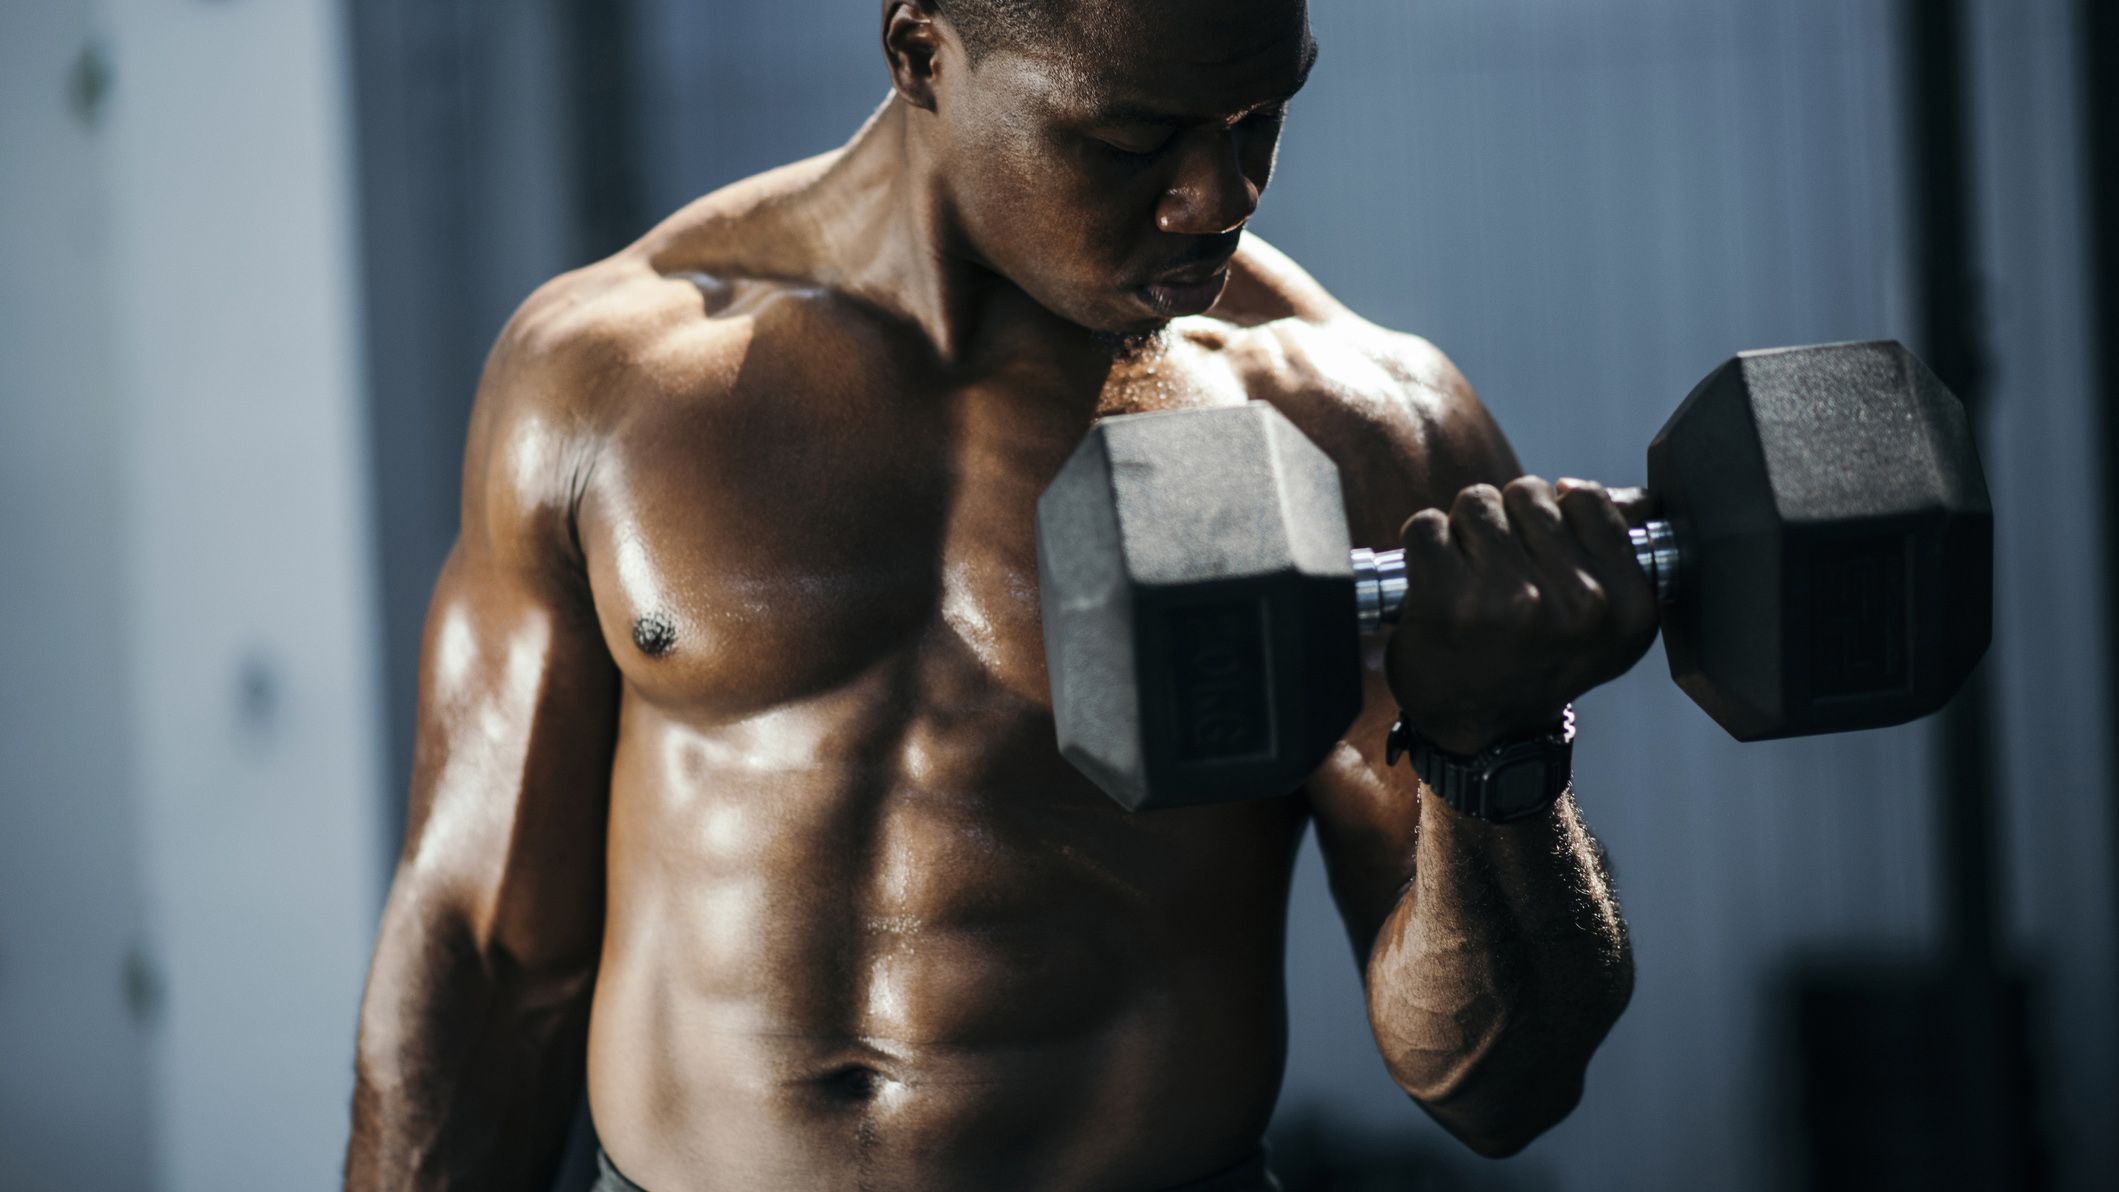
1507, 781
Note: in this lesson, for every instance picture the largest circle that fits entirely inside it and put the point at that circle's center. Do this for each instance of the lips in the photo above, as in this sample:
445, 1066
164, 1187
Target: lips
1192, 282
1193, 275
1177, 295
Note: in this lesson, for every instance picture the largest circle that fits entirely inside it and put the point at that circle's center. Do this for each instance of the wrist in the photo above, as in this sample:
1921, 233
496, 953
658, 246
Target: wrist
1509, 779
1466, 738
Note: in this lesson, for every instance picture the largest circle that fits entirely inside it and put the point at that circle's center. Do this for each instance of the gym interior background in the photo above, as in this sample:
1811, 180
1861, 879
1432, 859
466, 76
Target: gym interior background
256, 249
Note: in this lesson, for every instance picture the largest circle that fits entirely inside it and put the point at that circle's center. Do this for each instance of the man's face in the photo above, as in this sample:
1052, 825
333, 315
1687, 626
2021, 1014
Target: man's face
1110, 176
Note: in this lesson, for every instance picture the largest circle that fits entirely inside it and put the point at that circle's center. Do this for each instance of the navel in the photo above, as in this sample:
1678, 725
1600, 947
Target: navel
854, 1082
716, 294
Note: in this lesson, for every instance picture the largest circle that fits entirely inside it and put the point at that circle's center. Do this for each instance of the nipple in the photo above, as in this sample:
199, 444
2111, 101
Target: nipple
654, 635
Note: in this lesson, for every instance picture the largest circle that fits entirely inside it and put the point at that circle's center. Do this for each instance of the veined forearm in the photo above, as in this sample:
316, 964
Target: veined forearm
468, 1068
1499, 972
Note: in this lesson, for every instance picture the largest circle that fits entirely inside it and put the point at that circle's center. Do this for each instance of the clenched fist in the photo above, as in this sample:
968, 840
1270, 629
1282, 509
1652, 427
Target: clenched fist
1521, 598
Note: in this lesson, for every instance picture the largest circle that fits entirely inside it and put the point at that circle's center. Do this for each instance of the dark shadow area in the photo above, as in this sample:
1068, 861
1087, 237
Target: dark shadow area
2098, 29
1911, 1074
1314, 1151
577, 1167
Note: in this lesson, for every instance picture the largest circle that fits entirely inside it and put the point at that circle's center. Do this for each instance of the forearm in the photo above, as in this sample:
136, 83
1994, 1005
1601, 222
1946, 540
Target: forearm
469, 1065
1498, 972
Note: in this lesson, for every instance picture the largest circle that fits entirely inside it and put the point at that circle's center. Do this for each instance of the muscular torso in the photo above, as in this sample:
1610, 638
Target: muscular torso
861, 916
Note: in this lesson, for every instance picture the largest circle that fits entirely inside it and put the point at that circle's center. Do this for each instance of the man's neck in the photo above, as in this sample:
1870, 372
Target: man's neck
883, 214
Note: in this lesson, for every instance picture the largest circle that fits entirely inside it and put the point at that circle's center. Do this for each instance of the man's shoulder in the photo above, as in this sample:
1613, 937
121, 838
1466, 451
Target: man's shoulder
580, 357
544, 404
1392, 408
666, 337
576, 338
701, 286
1308, 342
631, 334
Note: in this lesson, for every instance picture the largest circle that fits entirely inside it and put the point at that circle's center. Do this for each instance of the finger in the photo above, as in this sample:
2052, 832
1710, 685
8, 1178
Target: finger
1478, 524
1636, 505
1432, 562
1604, 534
1567, 572
1425, 533
1594, 520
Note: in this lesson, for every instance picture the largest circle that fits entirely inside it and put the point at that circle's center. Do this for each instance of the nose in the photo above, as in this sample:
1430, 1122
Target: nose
1211, 193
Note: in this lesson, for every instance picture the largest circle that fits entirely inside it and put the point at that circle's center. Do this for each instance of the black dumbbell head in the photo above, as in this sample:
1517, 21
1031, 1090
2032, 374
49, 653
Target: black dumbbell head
1198, 606
1836, 536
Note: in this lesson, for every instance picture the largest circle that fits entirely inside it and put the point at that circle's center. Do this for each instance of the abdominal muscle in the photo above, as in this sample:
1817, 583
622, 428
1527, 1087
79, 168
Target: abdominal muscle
941, 961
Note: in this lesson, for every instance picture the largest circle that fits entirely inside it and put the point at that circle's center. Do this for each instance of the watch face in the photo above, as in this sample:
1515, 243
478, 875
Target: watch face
1521, 785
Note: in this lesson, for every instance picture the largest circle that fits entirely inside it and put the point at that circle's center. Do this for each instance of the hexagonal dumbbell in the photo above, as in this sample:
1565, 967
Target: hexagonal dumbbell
1825, 558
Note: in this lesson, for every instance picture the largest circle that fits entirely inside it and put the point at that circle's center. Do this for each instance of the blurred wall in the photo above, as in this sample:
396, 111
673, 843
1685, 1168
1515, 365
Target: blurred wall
73, 1048
196, 770
466, 205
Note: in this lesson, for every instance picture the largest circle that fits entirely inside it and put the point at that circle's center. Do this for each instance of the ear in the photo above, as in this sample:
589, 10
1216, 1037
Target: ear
912, 44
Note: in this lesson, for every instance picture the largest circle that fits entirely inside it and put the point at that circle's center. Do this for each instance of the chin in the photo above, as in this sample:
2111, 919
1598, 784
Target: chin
1123, 313
1126, 345
1112, 311
1133, 323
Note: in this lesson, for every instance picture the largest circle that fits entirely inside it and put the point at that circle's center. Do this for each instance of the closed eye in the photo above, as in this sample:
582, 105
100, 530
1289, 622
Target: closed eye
1139, 148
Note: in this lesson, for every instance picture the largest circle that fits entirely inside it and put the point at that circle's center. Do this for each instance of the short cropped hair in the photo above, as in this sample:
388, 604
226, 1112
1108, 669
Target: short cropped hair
988, 24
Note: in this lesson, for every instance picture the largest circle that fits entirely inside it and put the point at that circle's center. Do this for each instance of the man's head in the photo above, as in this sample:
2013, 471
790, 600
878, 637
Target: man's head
1103, 155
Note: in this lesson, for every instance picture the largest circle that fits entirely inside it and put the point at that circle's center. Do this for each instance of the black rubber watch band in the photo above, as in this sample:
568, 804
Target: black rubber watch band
1507, 781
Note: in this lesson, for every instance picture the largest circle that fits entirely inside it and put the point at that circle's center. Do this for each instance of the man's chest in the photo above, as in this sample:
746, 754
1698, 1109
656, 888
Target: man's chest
742, 562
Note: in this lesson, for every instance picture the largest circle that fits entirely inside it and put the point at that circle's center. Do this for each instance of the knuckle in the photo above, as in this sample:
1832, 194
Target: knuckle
1534, 506
1426, 523
1425, 531
1588, 496
1522, 602
1590, 598
1478, 497
1527, 488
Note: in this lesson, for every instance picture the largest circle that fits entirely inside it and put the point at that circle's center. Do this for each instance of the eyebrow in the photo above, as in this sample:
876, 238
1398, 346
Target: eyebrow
1132, 114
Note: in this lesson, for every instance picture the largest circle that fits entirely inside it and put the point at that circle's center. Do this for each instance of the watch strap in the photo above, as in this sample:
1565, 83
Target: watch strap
1509, 780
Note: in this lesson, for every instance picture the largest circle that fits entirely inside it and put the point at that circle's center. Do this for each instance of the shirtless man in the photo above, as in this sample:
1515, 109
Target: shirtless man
736, 778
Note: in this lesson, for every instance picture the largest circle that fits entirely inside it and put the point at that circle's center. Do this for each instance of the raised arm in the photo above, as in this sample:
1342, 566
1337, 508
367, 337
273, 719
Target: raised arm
473, 1028
1494, 957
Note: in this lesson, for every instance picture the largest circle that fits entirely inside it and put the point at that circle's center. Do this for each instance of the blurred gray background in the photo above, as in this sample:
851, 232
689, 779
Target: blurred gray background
255, 251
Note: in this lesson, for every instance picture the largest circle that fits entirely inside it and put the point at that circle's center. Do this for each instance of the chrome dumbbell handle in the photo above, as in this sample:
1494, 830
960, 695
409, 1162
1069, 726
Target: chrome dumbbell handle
1380, 581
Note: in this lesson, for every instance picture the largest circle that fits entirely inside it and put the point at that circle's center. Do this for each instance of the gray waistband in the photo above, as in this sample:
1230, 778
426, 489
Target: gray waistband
608, 1179
1251, 1175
